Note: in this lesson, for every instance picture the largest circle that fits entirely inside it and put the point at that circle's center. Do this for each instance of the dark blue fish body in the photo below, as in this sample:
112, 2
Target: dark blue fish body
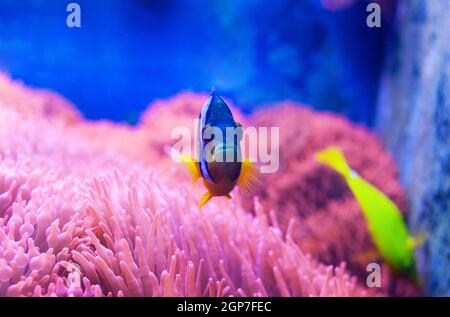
224, 159
217, 113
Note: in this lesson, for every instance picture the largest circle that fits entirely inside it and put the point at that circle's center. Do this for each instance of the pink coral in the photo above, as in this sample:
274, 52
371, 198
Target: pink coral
106, 199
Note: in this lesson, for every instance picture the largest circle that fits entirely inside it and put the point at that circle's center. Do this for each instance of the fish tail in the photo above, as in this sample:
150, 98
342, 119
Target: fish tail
335, 159
191, 166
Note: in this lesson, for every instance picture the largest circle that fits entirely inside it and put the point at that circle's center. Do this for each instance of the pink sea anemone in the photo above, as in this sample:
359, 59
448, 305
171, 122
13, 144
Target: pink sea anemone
317, 198
99, 209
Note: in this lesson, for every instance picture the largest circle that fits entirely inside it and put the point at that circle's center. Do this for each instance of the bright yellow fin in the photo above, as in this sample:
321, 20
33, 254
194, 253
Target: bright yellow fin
206, 197
249, 176
334, 158
192, 167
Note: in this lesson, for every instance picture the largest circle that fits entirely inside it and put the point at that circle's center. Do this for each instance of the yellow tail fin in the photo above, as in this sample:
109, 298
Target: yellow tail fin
192, 166
206, 197
334, 158
249, 176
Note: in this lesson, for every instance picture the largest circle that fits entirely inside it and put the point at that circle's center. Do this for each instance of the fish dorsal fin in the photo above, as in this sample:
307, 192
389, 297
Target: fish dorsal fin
192, 167
335, 159
248, 176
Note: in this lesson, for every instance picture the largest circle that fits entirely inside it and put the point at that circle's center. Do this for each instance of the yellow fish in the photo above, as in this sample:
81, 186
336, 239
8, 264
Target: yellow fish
385, 222
220, 165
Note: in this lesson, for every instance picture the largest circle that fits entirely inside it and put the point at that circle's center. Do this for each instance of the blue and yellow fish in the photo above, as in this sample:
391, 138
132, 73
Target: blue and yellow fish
220, 164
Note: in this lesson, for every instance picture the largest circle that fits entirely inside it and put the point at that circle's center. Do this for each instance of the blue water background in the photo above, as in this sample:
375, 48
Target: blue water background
129, 53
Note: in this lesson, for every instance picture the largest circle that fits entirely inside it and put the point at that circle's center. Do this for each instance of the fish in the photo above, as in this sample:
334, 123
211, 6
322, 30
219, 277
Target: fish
386, 224
220, 164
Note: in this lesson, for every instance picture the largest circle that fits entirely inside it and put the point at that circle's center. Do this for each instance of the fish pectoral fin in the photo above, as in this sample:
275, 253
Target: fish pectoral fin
206, 197
366, 256
335, 159
192, 167
228, 196
249, 176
